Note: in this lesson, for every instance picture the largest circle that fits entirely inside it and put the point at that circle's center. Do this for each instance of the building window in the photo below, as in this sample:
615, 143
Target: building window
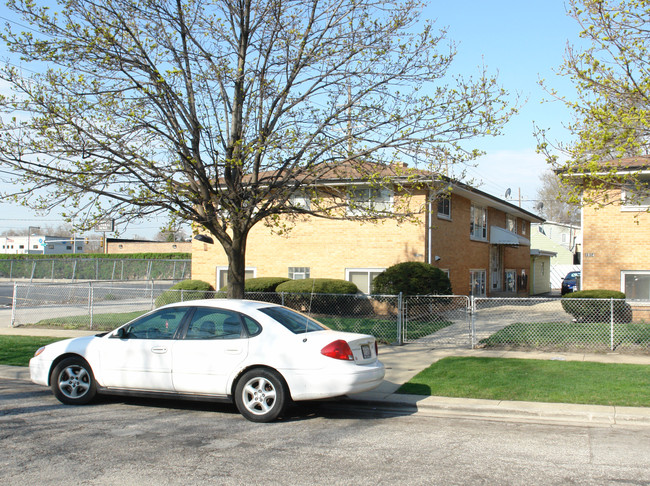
636, 284
34, 247
21, 247
365, 199
477, 279
478, 223
511, 223
300, 200
68, 247
222, 275
444, 207
298, 273
362, 277
636, 198
523, 227
50, 247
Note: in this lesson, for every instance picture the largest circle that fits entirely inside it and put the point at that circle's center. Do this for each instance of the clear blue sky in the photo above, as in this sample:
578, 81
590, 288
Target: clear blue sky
521, 41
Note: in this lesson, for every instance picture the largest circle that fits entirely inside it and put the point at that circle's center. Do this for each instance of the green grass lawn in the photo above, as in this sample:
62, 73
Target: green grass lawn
535, 381
18, 350
569, 335
101, 322
385, 330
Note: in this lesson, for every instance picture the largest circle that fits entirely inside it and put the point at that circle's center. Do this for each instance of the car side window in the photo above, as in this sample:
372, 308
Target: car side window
208, 323
252, 326
162, 324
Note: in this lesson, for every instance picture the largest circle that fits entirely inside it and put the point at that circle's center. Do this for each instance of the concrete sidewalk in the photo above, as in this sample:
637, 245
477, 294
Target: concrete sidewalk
404, 362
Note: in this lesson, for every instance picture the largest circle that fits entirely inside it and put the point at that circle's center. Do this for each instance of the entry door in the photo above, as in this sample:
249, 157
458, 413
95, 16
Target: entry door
496, 267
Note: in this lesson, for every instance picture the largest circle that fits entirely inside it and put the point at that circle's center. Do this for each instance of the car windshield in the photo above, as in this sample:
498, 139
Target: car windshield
296, 322
572, 275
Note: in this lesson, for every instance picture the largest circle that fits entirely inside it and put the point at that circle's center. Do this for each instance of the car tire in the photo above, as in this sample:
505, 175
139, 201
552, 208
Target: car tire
73, 382
261, 395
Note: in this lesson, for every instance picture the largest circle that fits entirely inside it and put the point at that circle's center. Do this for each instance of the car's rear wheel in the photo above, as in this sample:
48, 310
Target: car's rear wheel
261, 395
73, 382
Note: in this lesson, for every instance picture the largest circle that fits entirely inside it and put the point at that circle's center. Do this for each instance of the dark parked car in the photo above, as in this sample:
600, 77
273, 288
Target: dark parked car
570, 282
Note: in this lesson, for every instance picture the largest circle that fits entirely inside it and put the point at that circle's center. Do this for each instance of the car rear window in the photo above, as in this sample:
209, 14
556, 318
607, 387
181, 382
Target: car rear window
296, 322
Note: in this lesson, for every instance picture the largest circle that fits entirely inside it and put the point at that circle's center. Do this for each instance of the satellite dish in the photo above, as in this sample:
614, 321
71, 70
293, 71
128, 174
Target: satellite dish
508, 192
539, 206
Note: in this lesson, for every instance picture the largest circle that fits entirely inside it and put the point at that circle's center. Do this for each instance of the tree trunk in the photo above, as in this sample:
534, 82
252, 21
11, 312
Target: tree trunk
237, 267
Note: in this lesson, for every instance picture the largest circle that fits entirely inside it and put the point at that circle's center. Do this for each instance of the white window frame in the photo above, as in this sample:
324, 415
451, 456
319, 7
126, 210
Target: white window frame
302, 272
476, 214
300, 200
446, 209
369, 271
221, 268
374, 199
632, 207
625, 273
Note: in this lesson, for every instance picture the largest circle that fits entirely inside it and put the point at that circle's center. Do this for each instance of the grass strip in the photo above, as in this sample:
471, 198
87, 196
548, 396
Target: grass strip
535, 381
101, 322
18, 350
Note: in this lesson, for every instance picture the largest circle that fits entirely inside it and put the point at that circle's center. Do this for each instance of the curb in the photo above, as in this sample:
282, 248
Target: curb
471, 408
502, 410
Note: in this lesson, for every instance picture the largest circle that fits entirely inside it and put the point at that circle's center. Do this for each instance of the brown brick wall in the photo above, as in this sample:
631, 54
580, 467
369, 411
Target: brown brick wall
613, 240
330, 247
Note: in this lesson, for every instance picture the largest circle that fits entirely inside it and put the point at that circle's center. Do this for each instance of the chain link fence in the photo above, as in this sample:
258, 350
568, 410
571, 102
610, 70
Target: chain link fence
95, 269
570, 325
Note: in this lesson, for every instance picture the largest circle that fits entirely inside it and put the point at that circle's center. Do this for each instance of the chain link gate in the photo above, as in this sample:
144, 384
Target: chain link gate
440, 320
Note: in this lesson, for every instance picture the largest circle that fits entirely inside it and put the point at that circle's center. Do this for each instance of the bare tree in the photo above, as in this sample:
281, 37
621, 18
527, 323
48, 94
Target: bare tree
225, 113
553, 196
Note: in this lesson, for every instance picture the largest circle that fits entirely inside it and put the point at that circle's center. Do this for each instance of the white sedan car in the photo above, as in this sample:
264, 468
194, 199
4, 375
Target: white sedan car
258, 354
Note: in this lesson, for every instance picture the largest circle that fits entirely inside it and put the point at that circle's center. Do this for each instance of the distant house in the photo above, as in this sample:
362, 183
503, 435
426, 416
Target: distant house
565, 240
480, 241
616, 237
41, 245
121, 245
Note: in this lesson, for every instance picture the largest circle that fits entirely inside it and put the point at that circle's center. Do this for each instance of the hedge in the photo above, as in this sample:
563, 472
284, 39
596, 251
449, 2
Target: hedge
318, 286
260, 284
596, 306
412, 278
186, 290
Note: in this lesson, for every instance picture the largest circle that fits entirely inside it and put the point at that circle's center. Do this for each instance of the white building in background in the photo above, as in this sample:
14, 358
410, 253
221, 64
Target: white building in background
41, 245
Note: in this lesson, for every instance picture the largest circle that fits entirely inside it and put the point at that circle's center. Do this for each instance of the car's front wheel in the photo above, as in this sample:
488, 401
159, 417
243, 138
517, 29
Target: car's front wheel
73, 382
261, 395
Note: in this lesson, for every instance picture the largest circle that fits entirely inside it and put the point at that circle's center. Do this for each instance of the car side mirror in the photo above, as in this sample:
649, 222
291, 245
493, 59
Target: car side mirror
121, 333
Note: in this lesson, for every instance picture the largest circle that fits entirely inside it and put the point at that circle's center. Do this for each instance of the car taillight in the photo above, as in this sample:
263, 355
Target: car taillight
338, 350
376, 349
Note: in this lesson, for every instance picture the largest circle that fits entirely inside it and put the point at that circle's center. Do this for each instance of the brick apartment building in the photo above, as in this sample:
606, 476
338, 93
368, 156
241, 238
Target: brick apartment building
482, 242
616, 238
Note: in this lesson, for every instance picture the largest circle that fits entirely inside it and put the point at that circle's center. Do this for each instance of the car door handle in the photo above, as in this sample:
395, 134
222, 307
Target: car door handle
233, 350
159, 349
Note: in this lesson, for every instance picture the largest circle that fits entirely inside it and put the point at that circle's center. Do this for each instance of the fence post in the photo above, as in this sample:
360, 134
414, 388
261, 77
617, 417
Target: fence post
13, 305
400, 310
91, 303
611, 324
182, 295
472, 321
33, 270
152, 301
282, 297
74, 269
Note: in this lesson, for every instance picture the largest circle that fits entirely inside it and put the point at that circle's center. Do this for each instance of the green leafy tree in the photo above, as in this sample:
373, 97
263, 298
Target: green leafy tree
611, 113
230, 113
